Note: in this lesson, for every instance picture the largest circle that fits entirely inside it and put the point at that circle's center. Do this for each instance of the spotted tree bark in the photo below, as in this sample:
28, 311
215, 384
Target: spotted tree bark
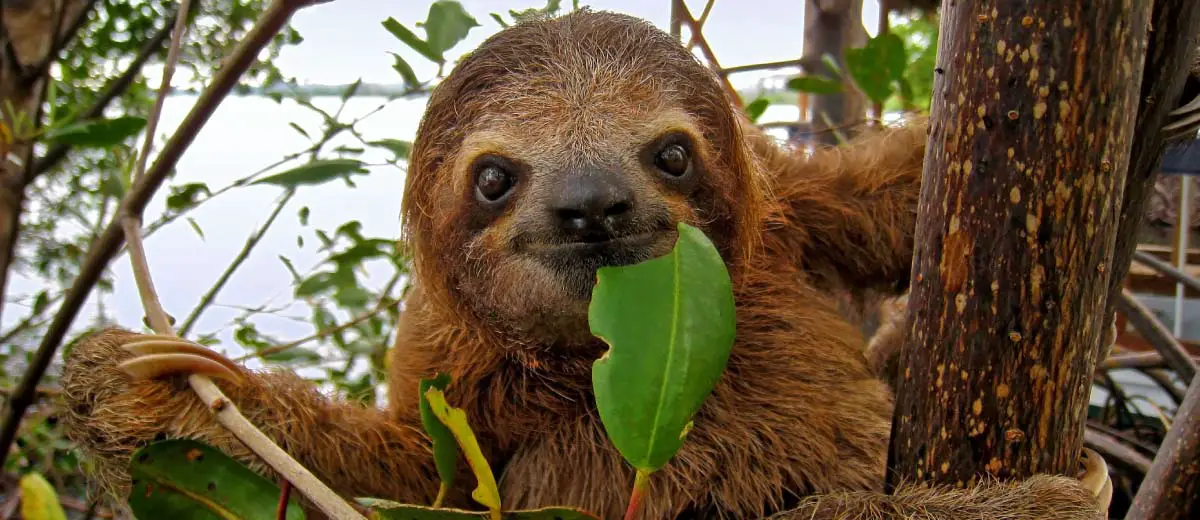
1031, 128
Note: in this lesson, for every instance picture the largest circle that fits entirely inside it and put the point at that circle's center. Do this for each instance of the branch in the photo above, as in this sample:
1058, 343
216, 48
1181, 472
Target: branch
1113, 449
1172, 484
241, 257
106, 247
1157, 335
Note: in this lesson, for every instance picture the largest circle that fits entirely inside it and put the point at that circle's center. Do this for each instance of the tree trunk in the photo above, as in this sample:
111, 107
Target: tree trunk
830, 27
1031, 127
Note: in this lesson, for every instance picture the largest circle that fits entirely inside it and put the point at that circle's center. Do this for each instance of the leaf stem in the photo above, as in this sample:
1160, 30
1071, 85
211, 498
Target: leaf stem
640, 484
437, 502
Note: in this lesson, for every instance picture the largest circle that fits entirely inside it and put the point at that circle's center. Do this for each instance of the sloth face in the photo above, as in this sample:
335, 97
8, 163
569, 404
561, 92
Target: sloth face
558, 148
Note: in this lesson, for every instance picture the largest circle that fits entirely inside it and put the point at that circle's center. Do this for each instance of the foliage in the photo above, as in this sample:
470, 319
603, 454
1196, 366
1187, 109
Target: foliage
186, 479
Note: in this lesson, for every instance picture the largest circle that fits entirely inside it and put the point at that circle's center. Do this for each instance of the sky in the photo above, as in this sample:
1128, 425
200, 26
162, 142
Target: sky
328, 55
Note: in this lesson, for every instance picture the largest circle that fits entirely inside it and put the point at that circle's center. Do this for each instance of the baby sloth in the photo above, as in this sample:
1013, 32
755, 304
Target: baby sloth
557, 147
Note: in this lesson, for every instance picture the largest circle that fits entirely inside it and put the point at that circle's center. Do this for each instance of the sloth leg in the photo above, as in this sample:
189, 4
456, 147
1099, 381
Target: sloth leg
123, 390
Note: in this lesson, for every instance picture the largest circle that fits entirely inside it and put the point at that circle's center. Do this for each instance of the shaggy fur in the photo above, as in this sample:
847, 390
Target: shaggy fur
798, 413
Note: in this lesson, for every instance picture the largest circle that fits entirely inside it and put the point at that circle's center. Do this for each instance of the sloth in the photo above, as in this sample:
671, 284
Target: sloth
559, 146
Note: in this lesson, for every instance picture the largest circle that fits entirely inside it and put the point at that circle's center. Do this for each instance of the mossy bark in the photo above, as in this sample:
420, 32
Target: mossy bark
1031, 128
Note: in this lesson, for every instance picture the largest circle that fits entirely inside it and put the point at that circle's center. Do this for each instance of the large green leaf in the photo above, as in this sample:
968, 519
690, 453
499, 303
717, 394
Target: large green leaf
447, 24
878, 65
316, 172
445, 448
98, 133
388, 510
183, 479
669, 323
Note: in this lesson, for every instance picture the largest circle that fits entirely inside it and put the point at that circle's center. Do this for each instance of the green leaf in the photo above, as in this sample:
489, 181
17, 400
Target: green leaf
351, 89
292, 355
299, 129
196, 227
814, 85
756, 108
447, 24
185, 196
669, 323
412, 40
499, 20
388, 510
38, 499
878, 65
303, 214
486, 492
316, 172
401, 148
182, 479
406, 72
98, 133
445, 448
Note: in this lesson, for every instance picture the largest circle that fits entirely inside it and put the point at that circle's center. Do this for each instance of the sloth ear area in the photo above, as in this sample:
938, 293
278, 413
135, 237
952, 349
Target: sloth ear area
159, 356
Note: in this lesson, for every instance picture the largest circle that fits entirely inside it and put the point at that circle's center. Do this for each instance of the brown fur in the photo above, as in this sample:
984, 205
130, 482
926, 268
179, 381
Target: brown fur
799, 412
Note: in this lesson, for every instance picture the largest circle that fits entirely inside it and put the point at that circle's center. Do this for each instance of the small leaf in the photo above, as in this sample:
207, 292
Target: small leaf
98, 133
299, 129
303, 214
447, 24
409, 38
38, 499
499, 20
351, 89
185, 196
186, 479
406, 72
316, 172
292, 355
196, 227
455, 419
756, 108
445, 450
814, 85
401, 148
669, 323
389, 510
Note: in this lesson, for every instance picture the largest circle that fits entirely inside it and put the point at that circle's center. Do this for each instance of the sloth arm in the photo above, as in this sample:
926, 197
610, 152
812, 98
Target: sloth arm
1035, 498
356, 450
848, 213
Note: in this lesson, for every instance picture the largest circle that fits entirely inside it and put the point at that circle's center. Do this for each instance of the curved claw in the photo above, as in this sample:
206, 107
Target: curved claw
1096, 478
158, 356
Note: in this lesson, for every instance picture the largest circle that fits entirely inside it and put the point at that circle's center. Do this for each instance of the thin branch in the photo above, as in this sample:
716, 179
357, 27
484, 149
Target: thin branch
1172, 483
110, 241
384, 302
238, 260
1162, 267
1157, 335
1115, 451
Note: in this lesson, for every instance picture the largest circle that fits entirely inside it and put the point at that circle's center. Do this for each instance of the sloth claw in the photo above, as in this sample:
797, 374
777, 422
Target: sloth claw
1095, 477
158, 356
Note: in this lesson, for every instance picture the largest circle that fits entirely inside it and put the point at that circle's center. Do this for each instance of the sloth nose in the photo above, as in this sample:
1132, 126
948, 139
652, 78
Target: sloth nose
592, 204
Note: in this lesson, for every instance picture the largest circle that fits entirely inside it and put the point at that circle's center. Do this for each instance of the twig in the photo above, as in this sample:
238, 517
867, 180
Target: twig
1172, 483
1113, 449
225, 411
107, 245
238, 260
384, 302
285, 490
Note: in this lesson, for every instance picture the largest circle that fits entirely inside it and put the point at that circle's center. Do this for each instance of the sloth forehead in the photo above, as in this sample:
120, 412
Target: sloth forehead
547, 140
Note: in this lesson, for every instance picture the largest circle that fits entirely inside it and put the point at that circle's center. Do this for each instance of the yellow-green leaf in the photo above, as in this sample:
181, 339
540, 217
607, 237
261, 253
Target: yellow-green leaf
669, 323
486, 492
38, 499
445, 451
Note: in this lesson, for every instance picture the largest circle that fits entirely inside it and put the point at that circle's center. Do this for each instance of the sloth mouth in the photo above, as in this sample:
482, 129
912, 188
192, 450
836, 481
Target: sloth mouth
576, 262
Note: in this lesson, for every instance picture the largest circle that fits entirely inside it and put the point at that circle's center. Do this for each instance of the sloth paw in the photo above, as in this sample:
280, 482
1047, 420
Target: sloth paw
1095, 478
157, 356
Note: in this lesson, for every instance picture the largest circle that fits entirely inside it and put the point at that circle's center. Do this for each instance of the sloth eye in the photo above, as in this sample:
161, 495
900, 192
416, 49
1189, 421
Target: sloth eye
492, 182
673, 160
